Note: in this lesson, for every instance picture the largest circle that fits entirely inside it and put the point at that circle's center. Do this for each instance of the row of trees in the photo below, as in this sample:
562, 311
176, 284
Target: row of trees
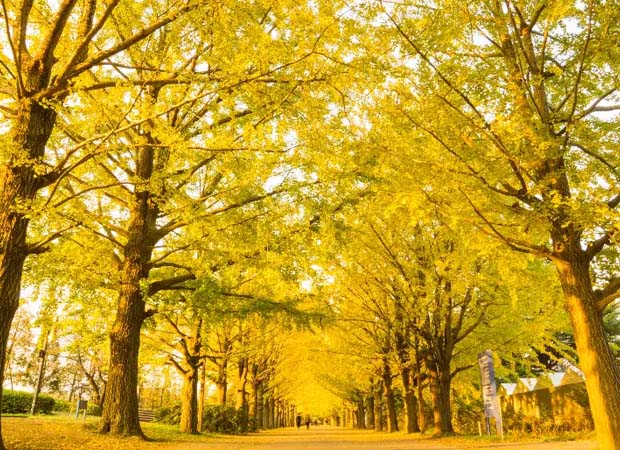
193, 148
201, 347
161, 154
416, 302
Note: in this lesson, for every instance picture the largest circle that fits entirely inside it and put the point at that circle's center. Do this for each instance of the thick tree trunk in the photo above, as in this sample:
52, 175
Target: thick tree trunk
360, 414
266, 413
272, 412
260, 416
445, 409
222, 382
595, 356
370, 407
421, 403
120, 407
411, 402
390, 402
433, 382
377, 406
189, 402
253, 401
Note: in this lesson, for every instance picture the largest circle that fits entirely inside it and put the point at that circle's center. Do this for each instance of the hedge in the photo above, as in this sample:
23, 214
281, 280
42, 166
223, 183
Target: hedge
18, 402
216, 418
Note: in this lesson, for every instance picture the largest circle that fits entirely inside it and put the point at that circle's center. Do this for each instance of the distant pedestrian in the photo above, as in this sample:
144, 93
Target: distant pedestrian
298, 421
308, 422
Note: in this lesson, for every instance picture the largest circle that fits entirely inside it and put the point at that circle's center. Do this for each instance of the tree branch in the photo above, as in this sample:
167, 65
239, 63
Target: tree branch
608, 294
169, 283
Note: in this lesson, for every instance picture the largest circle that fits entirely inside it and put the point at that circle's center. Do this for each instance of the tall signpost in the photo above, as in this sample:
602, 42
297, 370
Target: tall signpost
492, 406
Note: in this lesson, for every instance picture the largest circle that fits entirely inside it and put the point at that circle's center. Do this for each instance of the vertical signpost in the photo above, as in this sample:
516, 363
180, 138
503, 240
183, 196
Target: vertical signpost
489, 392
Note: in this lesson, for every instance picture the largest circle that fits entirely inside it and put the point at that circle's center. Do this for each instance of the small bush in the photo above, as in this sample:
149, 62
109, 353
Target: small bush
62, 406
170, 414
93, 409
225, 419
17, 402
215, 419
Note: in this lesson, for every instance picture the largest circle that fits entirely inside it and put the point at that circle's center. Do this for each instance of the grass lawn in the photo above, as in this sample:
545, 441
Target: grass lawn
66, 432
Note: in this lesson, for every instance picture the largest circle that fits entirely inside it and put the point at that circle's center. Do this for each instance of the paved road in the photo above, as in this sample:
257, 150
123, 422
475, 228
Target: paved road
337, 439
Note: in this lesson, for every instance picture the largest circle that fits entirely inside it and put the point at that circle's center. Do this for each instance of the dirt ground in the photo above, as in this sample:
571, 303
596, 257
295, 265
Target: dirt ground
64, 434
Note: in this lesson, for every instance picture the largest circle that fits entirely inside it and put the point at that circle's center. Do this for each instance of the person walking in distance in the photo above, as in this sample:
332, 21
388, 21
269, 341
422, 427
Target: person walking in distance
308, 422
298, 421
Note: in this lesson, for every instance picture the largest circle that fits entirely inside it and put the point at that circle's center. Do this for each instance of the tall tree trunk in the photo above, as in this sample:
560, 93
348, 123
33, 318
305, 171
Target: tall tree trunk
222, 381
392, 422
120, 407
272, 412
419, 384
361, 413
445, 409
433, 382
595, 356
378, 409
370, 407
189, 402
253, 401
203, 392
242, 403
260, 415
266, 412
411, 402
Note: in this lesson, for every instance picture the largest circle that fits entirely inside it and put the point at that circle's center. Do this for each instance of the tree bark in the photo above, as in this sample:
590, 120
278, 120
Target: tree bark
370, 407
595, 356
272, 412
189, 402
445, 408
222, 381
419, 384
201, 398
392, 422
260, 417
120, 407
361, 413
377, 405
242, 403
411, 402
